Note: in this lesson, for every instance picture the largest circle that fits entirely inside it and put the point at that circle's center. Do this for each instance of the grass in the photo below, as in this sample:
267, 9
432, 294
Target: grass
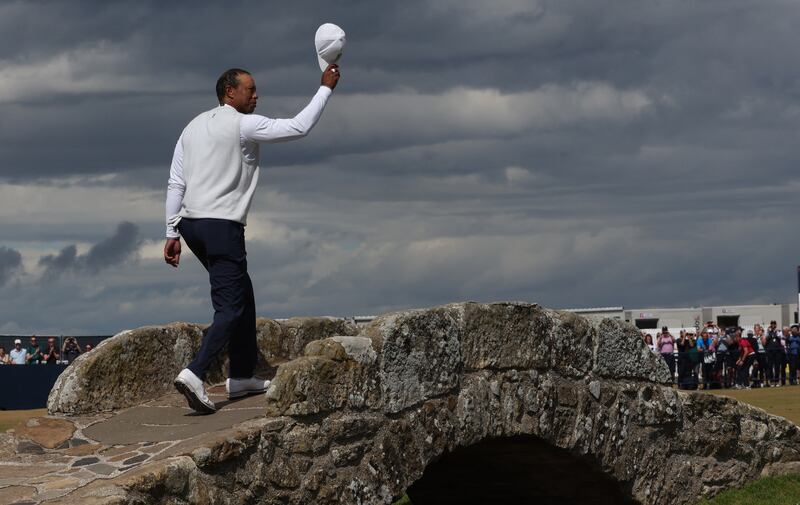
782, 490
10, 418
783, 401
779, 490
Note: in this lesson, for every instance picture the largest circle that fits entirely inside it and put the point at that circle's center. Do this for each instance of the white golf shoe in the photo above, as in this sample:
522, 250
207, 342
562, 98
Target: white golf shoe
192, 388
237, 388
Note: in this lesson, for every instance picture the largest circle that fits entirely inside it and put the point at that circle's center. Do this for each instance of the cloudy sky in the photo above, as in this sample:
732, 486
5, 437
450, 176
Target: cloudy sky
570, 153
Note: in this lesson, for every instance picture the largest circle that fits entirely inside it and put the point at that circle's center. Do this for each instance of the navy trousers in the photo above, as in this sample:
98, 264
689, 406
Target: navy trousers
219, 245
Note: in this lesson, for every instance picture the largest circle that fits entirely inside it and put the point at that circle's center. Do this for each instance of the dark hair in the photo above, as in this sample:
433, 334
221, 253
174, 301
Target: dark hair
228, 78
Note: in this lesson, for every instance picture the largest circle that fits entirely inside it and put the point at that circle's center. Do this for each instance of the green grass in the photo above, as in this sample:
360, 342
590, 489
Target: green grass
782, 490
403, 501
783, 401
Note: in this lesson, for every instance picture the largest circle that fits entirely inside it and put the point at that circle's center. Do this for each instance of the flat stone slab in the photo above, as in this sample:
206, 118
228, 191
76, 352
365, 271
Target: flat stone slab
160, 424
47, 432
51, 458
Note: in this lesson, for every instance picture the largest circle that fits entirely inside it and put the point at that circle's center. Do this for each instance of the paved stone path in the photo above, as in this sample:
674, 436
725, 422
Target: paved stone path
48, 458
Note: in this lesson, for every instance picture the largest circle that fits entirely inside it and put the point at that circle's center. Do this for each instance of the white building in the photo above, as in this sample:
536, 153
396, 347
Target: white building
676, 319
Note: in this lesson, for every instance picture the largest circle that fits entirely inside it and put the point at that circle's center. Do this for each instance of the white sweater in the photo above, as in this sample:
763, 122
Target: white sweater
214, 168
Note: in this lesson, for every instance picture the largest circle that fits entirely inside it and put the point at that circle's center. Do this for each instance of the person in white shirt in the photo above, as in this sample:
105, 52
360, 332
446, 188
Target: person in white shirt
19, 355
212, 180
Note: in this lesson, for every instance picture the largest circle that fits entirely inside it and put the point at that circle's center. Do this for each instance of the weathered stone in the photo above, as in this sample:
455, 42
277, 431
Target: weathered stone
18, 474
347, 455
85, 461
136, 459
420, 355
506, 335
49, 433
25, 447
352, 426
102, 468
137, 365
62, 483
573, 345
154, 448
326, 378
363, 416
16, 494
114, 451
594, 389
83, 450
123, 456
621, 354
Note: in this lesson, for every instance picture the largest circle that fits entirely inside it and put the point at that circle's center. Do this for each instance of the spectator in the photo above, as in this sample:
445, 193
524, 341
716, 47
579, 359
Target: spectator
713, 330
732, 341
34, 352
772, 343
760, 378
792, 352
721, 345
685, 379
695, 361
745, 361
784, 337
705, 346
88, 348
5, 359
666, 346
648, 340
71, 349
19, 356
51, 354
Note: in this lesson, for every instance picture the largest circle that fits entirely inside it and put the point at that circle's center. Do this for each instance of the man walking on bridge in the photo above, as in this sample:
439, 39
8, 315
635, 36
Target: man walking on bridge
212, 180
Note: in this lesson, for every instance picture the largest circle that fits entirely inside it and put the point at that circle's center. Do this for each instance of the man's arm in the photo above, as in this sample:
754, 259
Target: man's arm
262, 129
176, 186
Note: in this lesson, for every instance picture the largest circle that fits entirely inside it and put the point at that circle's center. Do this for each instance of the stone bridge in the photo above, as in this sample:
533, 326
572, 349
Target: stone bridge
463, 403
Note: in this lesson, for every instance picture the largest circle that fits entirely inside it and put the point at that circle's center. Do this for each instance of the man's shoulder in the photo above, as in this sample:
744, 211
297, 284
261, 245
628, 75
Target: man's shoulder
217, 116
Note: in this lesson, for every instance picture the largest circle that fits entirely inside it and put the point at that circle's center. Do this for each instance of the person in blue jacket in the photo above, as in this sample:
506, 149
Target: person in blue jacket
792, 351
707, 348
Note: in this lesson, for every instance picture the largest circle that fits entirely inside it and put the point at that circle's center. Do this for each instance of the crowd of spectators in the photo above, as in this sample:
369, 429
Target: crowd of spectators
731, 357
36, 354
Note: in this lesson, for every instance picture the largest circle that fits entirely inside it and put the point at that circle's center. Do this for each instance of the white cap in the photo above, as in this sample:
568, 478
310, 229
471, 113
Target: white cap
329, 42
17, 341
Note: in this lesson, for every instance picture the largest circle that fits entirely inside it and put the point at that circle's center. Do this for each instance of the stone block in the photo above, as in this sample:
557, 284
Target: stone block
621, 354
327, 378
506, 335
420, 354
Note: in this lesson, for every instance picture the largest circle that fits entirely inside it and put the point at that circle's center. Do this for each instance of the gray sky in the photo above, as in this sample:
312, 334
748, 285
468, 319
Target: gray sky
590, 153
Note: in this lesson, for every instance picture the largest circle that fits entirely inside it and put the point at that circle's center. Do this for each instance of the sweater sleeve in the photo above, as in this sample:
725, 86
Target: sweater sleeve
176, 186
262, 129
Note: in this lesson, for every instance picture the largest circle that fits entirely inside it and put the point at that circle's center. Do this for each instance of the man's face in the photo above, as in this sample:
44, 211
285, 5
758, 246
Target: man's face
33, 340
244, 96
51, 343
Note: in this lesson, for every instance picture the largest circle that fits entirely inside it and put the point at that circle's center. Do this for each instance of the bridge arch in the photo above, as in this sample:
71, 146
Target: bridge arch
360, 418
519, 469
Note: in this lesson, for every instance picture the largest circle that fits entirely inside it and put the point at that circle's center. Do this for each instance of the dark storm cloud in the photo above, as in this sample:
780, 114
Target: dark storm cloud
108, 252
10, 264
55, 264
